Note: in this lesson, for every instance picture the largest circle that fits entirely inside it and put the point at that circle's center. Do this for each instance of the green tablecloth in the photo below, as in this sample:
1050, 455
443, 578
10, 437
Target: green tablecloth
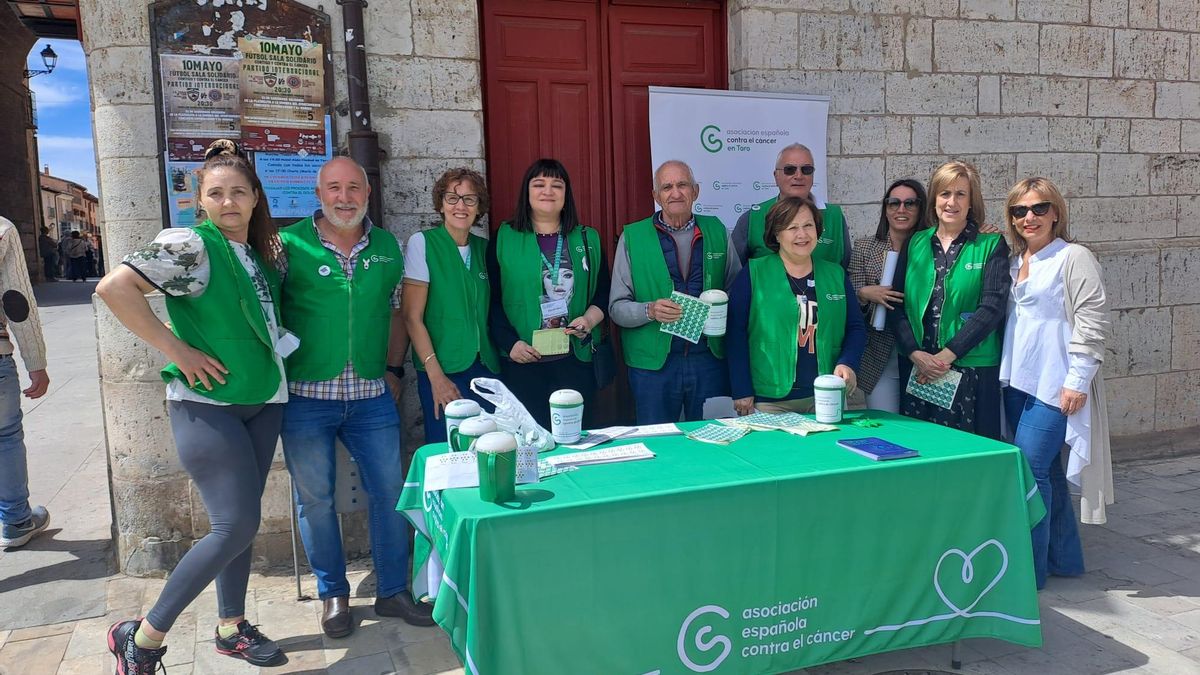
770, 554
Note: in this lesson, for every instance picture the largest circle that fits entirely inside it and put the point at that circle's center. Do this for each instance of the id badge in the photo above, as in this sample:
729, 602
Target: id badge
554, 308
287, 343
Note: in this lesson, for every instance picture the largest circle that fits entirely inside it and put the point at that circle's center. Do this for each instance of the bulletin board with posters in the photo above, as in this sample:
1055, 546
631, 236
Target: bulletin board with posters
256, 71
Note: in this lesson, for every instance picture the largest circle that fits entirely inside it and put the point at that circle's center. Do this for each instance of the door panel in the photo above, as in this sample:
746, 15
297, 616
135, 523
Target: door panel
666, 46
553, 50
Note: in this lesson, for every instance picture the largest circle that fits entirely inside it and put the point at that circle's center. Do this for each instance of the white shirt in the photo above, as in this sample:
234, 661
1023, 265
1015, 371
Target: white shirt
415, 267
1037, 333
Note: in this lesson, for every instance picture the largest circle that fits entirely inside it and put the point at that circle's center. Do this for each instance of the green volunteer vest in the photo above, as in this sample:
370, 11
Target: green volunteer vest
646, 346
830, 246
963, 286
338, 319
227, 323
775, 320
521, 278
456, 309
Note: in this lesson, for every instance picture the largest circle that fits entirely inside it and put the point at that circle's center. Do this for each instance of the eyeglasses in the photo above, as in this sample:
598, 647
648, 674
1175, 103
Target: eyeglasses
1039, 209
894, 204
791, 169
454, 198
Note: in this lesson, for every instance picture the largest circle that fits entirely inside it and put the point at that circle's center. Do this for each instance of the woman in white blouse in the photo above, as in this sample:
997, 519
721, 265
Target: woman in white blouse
1053, 346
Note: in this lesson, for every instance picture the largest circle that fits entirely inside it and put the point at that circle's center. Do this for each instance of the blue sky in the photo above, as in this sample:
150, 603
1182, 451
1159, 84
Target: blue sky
64, 114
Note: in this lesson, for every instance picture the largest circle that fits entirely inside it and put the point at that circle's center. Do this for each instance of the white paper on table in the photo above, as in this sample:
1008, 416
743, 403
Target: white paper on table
648, 430
879, 318
620, 453
460, 469
595, 437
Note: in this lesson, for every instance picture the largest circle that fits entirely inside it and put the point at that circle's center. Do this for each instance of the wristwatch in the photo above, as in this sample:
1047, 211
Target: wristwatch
398, 371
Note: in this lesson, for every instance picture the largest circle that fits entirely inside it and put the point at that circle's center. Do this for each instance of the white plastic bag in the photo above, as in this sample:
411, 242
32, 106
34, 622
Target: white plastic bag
511, 415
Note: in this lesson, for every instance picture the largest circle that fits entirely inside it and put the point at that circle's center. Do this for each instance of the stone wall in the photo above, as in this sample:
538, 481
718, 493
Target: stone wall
1103, 97
426, 104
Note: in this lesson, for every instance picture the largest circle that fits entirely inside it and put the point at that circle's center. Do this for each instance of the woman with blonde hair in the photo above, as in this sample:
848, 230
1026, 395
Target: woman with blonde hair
1053, 347
955, 284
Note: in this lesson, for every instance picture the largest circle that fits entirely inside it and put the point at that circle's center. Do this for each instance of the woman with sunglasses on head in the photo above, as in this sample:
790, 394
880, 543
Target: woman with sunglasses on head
225, 390
1054, 394
446, 299
901, 213
955, 284
548, 274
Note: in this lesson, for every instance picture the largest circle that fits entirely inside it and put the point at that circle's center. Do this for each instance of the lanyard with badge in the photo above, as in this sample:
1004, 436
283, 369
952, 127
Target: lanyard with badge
553, 307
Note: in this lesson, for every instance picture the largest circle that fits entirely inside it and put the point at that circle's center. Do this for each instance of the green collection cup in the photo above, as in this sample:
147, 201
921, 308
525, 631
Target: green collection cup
463, 436
496, 454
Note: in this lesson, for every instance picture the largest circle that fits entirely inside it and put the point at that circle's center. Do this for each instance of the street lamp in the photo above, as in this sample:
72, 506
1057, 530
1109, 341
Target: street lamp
49, 59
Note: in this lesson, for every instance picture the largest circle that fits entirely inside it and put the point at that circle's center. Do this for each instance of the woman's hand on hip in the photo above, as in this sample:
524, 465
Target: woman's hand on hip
1071, 401
197, 366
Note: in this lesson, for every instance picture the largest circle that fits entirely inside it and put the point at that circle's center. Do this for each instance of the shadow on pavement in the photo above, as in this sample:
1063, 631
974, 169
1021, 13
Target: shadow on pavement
58, 293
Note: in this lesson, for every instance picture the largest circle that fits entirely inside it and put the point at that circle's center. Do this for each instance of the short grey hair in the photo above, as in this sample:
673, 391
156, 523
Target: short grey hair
793, 146
676, 162
358, 166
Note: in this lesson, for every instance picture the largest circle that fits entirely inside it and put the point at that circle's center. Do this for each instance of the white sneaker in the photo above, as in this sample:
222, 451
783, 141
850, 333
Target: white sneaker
18, 535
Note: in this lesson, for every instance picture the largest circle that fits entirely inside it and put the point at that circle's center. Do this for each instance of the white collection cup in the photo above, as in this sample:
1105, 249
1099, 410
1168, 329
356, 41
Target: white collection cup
829, 398
566, 416
464, 436
457, 411
718, 303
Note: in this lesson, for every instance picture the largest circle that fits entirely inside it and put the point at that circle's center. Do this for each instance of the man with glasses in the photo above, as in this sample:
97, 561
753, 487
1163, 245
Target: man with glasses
672, 250
794, 170
341, 298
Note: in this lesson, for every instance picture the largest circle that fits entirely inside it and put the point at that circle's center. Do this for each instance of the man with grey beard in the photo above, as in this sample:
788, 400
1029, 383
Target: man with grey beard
341, 298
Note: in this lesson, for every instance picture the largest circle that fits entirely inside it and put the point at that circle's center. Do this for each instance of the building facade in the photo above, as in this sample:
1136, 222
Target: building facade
1102, 96
67, 207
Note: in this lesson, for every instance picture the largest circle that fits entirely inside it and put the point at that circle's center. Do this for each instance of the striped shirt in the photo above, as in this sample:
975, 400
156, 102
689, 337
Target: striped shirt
347, 386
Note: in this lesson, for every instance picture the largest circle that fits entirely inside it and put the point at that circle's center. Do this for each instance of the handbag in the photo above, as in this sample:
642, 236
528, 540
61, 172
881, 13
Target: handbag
604, 362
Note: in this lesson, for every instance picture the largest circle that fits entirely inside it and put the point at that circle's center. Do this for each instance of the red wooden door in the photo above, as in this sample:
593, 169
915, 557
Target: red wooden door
543, 98
654, 45
568, 79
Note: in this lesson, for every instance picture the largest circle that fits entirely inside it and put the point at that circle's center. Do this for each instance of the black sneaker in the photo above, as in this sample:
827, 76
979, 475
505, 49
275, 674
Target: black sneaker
251, 645
20, 533
132, 659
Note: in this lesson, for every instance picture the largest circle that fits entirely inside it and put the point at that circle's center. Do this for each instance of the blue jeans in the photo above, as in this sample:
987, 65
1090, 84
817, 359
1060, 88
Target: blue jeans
14, 472
435, 427
370, 429
1040, 431
684, 382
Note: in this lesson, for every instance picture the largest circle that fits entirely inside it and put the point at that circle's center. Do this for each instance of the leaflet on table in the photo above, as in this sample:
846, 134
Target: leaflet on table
595, 437
620, 453
459, 469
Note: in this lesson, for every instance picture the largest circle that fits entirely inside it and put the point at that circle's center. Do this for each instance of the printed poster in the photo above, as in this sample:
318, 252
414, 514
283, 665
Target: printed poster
283, 95
181, 192
290, 181
200, 101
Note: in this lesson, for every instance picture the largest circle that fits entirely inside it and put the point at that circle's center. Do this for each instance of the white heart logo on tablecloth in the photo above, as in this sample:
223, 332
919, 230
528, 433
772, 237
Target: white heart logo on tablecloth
968, 573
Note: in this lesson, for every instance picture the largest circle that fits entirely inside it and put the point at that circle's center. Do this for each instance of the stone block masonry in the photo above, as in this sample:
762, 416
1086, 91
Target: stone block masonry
1101, 96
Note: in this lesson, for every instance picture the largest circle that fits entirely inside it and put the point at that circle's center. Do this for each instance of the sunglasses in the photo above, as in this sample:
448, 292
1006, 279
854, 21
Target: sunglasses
893, 204
791, 169
1039, 209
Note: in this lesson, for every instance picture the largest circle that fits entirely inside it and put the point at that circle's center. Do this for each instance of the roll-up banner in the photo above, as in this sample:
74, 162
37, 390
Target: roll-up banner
731, 140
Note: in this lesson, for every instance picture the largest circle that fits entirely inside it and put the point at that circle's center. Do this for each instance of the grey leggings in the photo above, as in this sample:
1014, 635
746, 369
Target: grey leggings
227, 450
